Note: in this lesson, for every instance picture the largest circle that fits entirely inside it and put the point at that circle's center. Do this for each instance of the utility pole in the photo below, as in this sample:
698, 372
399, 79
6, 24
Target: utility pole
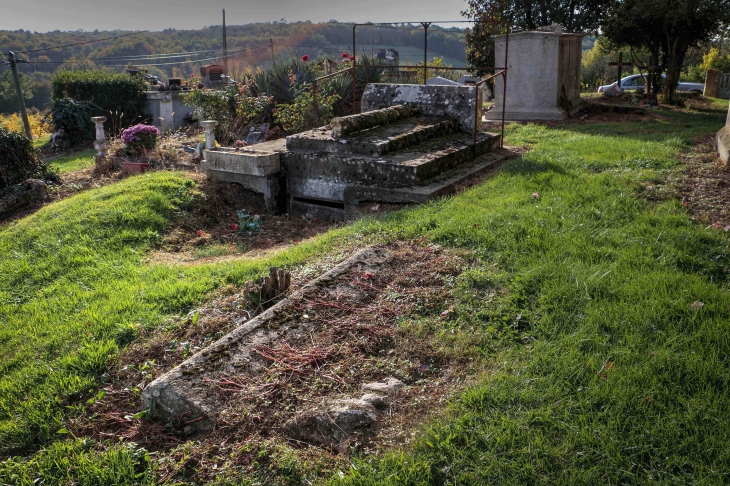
14, 67
225, 46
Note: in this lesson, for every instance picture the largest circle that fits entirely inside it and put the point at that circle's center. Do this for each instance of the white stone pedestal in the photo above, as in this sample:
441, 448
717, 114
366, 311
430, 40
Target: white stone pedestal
543, 75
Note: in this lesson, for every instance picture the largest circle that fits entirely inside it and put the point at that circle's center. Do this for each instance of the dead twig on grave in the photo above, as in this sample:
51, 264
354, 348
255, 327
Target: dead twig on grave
301, 362
225, 383
328, 304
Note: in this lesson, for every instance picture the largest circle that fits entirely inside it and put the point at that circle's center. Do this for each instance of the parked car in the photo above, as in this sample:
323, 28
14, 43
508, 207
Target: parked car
636, 82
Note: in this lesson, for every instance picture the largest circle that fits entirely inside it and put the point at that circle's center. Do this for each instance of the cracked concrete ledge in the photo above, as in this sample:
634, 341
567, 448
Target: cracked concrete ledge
185, 392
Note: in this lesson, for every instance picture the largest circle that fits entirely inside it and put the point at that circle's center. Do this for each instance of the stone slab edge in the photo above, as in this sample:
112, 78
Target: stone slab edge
722, 141
164, 398
421, 193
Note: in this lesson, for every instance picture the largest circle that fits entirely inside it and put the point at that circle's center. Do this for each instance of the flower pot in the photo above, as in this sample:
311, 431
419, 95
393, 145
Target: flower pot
134, 167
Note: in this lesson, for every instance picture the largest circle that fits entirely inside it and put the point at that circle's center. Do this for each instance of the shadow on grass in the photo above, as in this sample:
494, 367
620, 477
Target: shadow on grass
673, 124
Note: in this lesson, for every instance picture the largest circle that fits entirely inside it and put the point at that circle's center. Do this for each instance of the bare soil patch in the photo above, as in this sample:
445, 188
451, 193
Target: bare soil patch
705, 191
369, 336
207, 232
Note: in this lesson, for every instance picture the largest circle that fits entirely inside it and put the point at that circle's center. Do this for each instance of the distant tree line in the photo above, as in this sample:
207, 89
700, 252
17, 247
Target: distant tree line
250, 44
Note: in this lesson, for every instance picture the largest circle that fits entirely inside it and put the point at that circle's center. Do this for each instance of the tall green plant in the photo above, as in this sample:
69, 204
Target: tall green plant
342, 85
279, 81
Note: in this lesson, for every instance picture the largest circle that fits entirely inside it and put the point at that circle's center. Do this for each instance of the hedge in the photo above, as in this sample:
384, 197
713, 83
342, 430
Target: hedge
119, 97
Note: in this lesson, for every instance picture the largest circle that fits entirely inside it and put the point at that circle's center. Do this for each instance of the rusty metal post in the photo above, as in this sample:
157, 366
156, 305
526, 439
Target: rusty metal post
477, 113
354, 91
425, 50
354, 71
314, 103
504, 85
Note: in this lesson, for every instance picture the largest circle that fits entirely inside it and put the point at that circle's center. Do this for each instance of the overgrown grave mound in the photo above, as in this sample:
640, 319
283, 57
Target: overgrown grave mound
23, 175
409, 145
328, 365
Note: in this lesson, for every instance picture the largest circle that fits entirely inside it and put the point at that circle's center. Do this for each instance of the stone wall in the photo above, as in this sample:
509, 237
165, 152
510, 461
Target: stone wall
457, 102
168, 109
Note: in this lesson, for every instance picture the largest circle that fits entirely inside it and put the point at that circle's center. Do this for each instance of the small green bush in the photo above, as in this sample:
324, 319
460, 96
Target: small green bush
119, 97
19, 160
74, 118
299, 115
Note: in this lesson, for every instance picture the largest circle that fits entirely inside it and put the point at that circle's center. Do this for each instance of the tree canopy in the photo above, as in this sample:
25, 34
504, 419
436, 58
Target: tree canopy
574, 15
666, 28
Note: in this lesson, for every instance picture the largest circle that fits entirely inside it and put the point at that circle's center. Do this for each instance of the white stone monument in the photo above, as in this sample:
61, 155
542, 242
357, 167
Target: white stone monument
722, 140
543, 75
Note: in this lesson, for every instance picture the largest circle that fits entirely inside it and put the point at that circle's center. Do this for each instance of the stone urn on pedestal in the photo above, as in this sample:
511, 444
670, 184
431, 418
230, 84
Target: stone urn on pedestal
103, 162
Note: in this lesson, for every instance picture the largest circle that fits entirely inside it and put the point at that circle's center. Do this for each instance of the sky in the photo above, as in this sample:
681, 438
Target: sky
154, 15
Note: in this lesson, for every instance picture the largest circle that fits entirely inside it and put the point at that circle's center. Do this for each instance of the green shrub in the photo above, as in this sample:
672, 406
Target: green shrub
235, 109
74, 118
299, 115
19, 160
119, 97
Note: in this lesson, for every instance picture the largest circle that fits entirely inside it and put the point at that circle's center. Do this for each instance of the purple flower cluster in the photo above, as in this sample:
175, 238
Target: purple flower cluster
138, 132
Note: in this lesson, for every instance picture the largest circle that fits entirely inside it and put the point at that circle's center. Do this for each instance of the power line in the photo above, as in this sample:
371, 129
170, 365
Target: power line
85, 42
166, 55
77, 62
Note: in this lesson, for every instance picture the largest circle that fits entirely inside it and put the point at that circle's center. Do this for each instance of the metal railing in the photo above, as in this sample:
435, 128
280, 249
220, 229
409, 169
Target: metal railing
315, 106
477, 105
498, 71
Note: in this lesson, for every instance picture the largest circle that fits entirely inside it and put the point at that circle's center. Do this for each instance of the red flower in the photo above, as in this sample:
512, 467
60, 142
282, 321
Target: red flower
200, 232
352, 58
192, 75
345, 55
305, 58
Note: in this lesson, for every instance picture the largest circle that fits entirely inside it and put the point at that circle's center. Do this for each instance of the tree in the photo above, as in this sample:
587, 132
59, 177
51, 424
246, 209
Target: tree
667, 29
8, 93
574, 15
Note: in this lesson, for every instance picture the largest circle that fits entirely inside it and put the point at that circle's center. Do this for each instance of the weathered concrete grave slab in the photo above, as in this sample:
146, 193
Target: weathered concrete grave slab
192, 389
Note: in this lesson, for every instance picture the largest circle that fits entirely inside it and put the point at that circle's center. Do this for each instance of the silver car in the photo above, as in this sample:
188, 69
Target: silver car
636, 82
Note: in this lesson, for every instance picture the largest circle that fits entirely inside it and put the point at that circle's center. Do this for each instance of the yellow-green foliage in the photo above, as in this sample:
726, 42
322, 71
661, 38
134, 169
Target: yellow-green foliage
14, 123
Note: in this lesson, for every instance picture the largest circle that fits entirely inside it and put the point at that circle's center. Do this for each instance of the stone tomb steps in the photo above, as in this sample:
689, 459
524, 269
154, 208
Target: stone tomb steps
443, 184
326, 184
325, 176
394, 154
376, 141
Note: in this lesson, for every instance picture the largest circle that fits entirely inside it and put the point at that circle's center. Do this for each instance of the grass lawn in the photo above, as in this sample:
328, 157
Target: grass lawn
607, 345
74, 162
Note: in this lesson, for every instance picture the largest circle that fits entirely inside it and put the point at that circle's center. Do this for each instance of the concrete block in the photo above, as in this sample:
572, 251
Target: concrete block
244, 161
457, 102
168, 109
543, 75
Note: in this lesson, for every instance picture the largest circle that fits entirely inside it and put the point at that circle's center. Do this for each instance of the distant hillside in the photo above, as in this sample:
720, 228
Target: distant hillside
178, 53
